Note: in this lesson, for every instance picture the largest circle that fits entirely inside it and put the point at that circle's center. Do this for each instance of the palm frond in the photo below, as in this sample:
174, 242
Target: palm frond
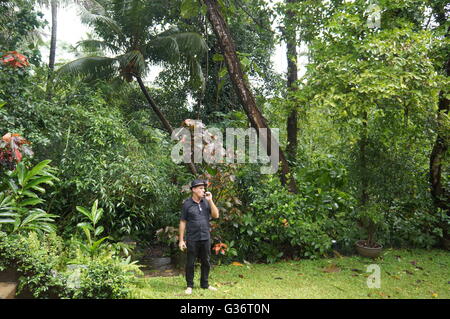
92, 45
170, 45
92, 6
97, 15
93, 67
191, 44
163, 49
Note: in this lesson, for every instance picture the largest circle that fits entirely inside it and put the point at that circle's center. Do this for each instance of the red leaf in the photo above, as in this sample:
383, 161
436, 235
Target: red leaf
18, 155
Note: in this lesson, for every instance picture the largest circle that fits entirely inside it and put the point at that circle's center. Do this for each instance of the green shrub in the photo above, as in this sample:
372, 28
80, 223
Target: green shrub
38, 260
284, 224
103, 280
42, 262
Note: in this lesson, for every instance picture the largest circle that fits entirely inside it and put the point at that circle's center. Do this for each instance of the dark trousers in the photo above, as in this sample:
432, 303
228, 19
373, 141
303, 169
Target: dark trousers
196, 249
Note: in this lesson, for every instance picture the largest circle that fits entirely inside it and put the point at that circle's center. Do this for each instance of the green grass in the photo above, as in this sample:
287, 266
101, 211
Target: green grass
404, 274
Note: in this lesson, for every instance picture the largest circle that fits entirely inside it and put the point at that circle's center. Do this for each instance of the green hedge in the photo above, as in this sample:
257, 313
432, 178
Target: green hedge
41, 262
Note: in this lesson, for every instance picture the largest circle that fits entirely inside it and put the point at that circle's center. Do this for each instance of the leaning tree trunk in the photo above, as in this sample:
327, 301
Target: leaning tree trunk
292, 77
241, 87
161, 117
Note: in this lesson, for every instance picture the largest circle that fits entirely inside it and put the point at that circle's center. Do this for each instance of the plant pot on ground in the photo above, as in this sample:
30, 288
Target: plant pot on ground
367, 249
370, 218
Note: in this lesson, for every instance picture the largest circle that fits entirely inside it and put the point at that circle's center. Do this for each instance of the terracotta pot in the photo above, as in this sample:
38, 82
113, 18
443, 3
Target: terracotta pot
368, 251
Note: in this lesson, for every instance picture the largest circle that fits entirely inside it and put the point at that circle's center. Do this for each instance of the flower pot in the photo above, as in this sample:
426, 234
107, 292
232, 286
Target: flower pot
365, 251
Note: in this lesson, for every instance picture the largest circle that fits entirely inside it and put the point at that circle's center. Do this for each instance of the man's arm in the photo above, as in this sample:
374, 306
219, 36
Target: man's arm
182, 227
214, 209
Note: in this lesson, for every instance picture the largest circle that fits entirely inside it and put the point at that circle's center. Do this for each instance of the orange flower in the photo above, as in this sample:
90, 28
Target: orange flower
221, 247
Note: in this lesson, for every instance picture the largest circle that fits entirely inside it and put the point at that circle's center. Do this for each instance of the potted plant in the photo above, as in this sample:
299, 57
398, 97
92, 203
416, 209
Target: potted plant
369, 218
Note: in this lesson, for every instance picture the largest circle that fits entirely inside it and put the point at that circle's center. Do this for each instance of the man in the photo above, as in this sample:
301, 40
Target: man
195, 216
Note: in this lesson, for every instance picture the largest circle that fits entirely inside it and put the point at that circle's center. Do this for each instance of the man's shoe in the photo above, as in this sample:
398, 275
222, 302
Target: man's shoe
212, 288
188, 291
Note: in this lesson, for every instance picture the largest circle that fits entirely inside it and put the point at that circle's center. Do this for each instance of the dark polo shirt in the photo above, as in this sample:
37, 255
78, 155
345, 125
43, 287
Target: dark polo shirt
197, 217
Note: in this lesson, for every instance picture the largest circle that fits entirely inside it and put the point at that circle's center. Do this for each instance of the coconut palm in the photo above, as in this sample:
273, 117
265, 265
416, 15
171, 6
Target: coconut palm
53, 5
130, 32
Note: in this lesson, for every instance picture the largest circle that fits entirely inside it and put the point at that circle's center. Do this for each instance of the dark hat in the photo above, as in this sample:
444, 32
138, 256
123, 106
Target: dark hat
198, 182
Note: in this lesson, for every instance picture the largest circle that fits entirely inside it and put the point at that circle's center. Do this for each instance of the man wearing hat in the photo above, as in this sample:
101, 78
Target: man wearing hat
195, 216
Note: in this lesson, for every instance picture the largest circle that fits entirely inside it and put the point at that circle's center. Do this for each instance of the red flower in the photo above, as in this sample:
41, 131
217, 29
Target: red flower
14, 59
221, 247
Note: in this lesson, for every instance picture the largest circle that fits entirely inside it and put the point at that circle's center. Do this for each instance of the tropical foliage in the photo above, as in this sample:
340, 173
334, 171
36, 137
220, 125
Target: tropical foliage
85, 155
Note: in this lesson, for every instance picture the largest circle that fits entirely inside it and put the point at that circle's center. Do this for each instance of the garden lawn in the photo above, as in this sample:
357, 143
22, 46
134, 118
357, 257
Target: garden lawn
404, 274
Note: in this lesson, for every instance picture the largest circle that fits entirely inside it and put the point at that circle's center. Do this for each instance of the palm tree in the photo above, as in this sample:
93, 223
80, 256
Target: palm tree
53, 5
132, 36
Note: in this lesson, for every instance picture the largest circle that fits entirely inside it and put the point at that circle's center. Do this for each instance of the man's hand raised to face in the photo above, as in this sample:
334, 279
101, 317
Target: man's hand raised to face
208, 196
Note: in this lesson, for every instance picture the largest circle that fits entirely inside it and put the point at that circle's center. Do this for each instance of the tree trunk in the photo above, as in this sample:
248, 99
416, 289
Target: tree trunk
438, 192
241, 87
440, 147
292, 77
52, 56
54, 9
161, 117
363, 163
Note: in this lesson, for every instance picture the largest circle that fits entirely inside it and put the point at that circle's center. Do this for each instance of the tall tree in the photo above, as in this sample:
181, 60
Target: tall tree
54, 10
365, 76
290, 37
440, 149
242, 88
54, 6
130, 32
